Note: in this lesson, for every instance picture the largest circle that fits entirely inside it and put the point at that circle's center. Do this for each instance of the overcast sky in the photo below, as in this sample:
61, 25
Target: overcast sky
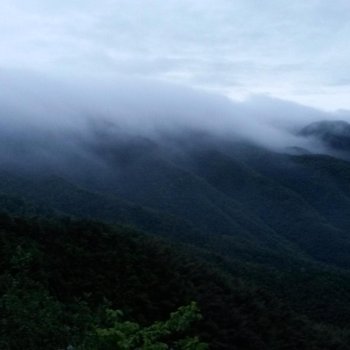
291, 49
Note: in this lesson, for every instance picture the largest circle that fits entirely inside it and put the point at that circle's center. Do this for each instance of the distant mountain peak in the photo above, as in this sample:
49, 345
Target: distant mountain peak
333, 133
339, 127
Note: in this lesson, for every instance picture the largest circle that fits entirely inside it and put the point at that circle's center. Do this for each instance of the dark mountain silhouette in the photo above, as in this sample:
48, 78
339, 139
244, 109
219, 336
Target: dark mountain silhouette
334, 134
259, 238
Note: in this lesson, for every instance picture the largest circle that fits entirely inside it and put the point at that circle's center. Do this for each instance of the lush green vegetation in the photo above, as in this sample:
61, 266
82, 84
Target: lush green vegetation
258, 240
59, 278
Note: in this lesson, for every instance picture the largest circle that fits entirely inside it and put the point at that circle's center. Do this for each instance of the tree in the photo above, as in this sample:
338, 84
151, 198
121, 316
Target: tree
126, 335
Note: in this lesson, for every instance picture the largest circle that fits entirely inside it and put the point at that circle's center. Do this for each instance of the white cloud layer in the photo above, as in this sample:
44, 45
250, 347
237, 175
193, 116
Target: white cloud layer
295, 50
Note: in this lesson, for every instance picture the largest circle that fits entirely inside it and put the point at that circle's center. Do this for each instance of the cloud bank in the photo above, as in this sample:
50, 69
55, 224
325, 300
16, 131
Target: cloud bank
32, 103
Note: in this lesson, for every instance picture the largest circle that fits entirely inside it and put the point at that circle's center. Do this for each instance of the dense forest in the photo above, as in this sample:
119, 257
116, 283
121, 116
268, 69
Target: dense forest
183, 242
59, 277
174, 175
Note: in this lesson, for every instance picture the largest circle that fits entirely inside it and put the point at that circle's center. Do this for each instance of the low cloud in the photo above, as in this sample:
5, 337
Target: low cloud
31, 103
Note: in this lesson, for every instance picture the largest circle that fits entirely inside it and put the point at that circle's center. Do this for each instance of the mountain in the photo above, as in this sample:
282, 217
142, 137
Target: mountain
333, 134
268, 229
54, 195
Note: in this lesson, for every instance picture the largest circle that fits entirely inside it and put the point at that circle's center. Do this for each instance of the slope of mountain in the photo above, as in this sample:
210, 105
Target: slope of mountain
53, 195
270, 220
73, 267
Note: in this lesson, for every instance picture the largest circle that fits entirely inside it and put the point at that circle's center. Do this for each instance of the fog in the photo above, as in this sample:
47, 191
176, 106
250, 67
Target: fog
49, 118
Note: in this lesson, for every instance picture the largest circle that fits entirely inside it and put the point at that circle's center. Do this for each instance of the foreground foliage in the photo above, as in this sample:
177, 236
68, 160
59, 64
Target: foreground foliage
62, 279
125, 335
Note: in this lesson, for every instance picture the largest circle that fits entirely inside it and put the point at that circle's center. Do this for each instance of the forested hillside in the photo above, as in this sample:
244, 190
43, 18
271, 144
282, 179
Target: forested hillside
57, 276
174, 175
257, 238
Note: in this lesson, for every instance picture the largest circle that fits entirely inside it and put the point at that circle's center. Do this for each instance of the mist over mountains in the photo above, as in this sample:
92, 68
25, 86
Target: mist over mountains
334, 135
210, 162
60, 121
174, 175
258, 189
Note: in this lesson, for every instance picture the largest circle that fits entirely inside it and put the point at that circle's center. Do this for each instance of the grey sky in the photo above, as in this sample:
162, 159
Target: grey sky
291, 49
